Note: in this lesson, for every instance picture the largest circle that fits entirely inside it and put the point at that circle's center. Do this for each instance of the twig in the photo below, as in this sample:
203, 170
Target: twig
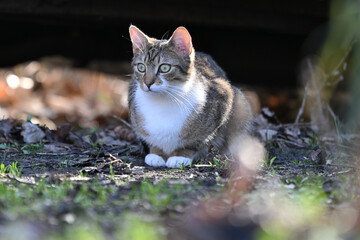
285, 125
121, 151
53, 154
128, 126
343, 166
34, 165
203, 166
20, 180
122, 121
111, 162
290, 143
335, 122
301, 110
302, 124
113, 157
332, 113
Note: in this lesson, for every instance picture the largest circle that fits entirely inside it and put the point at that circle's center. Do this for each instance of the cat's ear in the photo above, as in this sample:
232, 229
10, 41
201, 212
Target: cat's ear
181, 41
138, 38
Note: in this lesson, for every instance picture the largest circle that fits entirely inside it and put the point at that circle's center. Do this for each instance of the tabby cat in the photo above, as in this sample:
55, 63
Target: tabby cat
181, 101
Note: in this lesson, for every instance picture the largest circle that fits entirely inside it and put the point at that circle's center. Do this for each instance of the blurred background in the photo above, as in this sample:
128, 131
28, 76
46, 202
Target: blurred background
68, 61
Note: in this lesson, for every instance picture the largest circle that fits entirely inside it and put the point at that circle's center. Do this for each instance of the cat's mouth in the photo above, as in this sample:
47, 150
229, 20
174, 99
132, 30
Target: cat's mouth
151, 91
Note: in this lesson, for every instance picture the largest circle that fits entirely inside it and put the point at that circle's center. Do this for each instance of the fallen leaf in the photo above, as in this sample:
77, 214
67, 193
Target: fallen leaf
125, 133
267, 112
109, 141
267, 134
317, 156
62, 132
89, 170
5, 127
138, 170
80, 162
77, 140
32, 133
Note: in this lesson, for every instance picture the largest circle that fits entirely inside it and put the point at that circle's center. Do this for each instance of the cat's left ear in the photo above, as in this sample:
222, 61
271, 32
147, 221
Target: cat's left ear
138, 38
181, 41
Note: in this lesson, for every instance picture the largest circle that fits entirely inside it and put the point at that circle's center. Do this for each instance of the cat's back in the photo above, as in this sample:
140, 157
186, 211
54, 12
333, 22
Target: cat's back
207, 66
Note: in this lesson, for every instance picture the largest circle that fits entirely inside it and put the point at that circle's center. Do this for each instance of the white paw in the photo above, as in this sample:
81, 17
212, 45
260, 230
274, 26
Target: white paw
178, 162
154, 160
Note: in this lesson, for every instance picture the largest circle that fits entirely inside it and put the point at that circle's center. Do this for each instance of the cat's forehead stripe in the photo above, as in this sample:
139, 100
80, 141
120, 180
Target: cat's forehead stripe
153, 52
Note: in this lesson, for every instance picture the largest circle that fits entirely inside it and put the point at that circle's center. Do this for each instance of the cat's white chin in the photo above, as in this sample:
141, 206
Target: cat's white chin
178, 162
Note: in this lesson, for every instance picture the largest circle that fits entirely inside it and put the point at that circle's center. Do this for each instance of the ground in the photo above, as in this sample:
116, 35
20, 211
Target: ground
94, 184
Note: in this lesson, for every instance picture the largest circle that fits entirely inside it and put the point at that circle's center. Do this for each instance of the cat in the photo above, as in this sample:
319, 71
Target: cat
181, 101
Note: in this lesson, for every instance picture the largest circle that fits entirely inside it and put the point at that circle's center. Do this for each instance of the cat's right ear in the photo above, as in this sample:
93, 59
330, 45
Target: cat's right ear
138, 38
181, 40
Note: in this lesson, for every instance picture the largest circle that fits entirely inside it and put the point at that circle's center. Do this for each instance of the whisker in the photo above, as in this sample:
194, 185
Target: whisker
165, 35
181, 105
180, 90
181, 95
186, 105
126, 38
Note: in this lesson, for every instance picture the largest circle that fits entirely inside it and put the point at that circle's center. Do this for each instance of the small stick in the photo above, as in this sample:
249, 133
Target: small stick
335, 122
301, 110
126, 124
122, 121
20, 180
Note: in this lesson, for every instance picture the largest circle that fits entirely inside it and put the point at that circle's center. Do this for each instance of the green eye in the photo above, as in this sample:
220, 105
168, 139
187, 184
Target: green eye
164, 68
141, 67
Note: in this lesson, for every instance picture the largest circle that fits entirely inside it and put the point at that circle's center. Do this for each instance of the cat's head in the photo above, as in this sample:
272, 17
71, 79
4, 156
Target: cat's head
161, 65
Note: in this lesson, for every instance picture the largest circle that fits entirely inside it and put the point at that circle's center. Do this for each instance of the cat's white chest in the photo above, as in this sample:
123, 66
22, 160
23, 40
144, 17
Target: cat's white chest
164, 119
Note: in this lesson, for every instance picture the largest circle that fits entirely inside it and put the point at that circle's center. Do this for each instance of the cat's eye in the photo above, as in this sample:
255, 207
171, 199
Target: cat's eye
141, 67
164, 68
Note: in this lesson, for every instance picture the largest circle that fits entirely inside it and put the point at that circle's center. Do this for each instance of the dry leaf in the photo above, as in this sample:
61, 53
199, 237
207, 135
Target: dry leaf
32, 133
5, 127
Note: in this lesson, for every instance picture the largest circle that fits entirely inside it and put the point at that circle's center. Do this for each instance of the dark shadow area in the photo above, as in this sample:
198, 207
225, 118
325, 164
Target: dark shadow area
256, 42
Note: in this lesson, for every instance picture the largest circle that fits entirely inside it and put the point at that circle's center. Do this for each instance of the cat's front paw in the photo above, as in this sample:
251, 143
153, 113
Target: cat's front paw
154, 160
178, 162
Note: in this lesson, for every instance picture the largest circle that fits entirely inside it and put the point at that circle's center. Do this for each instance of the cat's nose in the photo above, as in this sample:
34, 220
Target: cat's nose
149, 83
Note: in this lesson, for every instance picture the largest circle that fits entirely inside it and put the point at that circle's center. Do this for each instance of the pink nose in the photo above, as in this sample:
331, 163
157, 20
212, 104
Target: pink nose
148, 84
